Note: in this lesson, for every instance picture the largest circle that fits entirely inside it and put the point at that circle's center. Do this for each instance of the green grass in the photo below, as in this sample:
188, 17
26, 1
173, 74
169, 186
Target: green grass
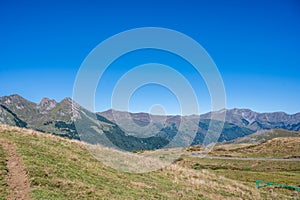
249, 171
61, 169
3, 172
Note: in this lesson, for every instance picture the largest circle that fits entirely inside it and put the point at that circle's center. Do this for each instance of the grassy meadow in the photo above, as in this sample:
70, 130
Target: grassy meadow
64, 169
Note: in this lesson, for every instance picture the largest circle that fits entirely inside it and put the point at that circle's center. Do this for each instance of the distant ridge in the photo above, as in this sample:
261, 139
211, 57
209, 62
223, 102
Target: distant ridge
240, 117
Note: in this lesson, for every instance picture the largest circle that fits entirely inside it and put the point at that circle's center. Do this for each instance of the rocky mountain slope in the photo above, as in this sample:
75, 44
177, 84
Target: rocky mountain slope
259, 121
68, 119
238, 122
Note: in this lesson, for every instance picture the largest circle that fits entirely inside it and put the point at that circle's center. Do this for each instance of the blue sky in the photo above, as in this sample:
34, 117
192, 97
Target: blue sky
255, 44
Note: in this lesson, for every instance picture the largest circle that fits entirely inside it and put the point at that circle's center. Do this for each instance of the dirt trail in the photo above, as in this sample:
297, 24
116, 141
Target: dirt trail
17, 178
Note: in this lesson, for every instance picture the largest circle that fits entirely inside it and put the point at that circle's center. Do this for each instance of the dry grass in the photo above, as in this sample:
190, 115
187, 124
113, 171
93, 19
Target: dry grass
231, 147
64, 169
283, 147
211, 185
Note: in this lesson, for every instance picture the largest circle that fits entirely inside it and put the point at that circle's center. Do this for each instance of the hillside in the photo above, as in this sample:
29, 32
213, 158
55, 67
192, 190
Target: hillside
238, 123
261, 121
282, 147
58, 168
70, 120
244, 118
275, 143
264, 135
274, 160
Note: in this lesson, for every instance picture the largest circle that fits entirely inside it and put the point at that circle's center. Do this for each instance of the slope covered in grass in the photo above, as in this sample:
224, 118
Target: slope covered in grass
63, 169
283, 147
251, 162
3, 174
264, 135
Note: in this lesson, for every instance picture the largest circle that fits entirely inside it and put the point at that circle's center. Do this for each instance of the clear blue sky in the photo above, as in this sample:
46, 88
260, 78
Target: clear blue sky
255, 44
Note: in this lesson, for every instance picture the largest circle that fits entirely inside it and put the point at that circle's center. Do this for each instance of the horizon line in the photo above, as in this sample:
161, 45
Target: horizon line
167, 114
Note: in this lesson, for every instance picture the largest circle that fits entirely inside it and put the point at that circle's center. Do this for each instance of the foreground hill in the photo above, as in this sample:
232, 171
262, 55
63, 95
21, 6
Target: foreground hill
58, 168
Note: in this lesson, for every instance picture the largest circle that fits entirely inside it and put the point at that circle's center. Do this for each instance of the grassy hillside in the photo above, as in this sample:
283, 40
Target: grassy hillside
281, 147
3, 174
276, 148
224, 161
249, 171
264, 135
63, 169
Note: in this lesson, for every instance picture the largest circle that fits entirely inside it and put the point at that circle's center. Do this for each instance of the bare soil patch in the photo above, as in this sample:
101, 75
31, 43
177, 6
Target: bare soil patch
17, 178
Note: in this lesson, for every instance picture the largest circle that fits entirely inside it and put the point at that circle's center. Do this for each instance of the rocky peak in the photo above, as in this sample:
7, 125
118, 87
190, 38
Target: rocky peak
47, 104
16, 102
242, 112
67, 101
47, 101
11, 99
15, 96
70, 103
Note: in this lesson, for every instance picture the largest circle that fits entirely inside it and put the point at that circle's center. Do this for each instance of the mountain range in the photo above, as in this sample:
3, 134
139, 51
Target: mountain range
133, 131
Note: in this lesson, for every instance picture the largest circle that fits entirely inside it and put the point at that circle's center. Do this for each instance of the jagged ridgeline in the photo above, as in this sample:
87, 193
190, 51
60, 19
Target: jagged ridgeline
59, 119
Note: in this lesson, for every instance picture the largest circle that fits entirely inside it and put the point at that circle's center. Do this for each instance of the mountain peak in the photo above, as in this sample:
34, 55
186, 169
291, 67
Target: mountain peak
47, 104
47, 100
16, 96
67, 100
240, 110
14, 99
